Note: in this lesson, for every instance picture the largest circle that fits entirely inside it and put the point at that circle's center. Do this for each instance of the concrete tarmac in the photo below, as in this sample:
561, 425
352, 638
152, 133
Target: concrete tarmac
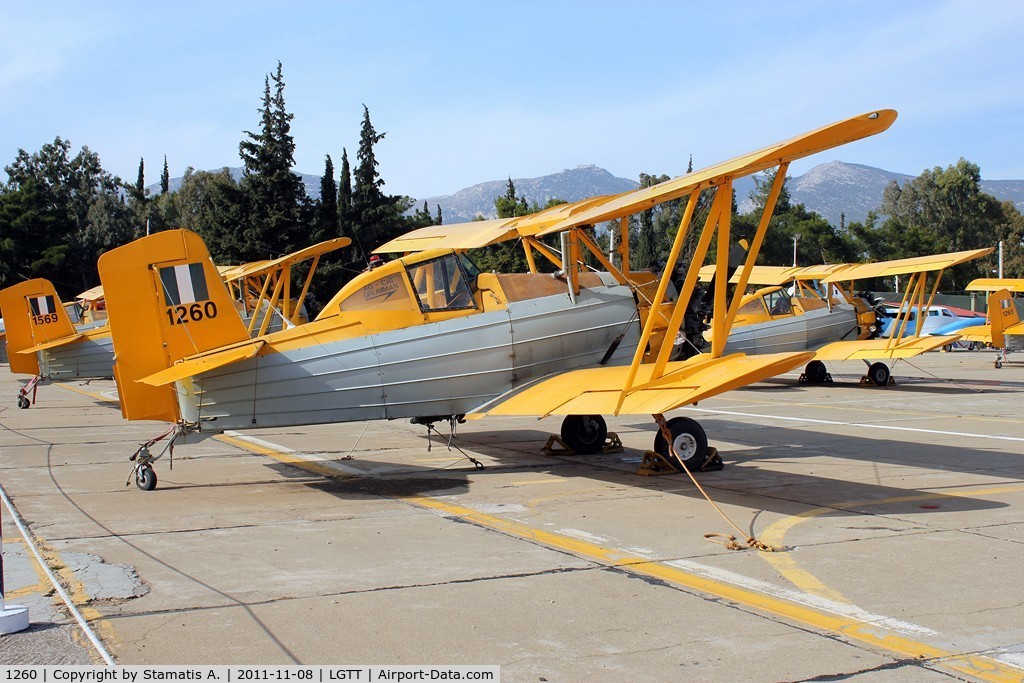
897, 515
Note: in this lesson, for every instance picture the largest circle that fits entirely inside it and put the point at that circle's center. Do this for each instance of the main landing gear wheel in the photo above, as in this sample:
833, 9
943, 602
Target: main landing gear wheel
145, 478
584, 434
689, 442
816, 372
879, 374
23, 402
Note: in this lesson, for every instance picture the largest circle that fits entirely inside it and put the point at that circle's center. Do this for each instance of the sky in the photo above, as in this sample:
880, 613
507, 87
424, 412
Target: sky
473, 91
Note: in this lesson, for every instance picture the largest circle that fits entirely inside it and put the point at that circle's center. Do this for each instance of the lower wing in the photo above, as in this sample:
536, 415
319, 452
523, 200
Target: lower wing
597, 391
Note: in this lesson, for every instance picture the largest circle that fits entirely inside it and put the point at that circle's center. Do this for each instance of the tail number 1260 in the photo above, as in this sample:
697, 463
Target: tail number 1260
180, 315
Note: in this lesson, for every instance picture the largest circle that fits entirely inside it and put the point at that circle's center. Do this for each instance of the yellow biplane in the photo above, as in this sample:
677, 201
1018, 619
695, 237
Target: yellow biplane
42, 340
1003, 328
55, 341
428, 336
823, 313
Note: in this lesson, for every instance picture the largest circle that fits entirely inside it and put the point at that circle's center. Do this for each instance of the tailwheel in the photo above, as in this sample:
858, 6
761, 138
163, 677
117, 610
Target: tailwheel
584, 434
145, 478
879, 374
23, 402
689, 444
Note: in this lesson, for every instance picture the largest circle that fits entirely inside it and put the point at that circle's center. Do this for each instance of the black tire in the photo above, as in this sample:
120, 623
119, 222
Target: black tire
947, 347
145, 478
689, 441
879, 374
584, 434
23, 402
972, 346
816, 372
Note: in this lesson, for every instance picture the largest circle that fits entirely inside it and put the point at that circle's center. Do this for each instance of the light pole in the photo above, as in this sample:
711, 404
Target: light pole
796, 238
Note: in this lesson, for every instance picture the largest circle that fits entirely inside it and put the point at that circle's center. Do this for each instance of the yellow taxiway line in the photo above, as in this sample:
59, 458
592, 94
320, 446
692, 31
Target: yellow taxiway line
871, 634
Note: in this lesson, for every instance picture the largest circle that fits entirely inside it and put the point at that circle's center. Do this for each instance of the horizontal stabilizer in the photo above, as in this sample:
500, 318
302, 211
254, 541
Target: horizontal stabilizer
54, 343
195, 366
874, 349
596, 391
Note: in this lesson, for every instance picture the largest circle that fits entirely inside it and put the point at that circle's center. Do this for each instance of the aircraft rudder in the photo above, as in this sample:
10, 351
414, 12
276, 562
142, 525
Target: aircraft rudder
34, 314
165, 302
1002, 314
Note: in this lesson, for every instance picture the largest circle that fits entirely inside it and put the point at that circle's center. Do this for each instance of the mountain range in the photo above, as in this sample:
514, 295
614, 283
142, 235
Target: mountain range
834, 189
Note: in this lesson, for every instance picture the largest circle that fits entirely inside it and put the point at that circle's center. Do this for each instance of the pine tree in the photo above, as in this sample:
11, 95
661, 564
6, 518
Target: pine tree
275, 199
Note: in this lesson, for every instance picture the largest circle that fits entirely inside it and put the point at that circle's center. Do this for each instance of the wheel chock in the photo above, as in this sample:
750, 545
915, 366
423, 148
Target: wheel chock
656, 464
612, 444
865, 381
549, 447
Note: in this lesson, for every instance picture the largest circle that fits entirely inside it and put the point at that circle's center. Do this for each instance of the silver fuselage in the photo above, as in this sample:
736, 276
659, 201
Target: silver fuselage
435, 369
88, 358
804, 332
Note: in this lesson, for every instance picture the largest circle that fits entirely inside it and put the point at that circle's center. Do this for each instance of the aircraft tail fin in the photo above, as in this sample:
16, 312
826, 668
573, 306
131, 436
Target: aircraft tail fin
1002, 314
165, 302
33, 315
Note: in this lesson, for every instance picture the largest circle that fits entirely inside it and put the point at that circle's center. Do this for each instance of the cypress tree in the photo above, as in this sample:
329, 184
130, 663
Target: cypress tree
327, 214
377, 216
140, 181
165, 179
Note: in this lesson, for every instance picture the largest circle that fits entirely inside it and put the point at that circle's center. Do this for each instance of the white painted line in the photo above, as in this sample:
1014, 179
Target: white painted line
871, 425
30, 542
815, 602
270, 446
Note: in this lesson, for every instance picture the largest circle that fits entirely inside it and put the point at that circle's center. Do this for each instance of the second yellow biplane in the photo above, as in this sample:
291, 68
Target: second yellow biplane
428, 336
821, 311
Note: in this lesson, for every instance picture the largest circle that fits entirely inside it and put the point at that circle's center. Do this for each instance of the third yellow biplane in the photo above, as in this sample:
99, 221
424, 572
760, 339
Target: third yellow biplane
1002, 328
428, 336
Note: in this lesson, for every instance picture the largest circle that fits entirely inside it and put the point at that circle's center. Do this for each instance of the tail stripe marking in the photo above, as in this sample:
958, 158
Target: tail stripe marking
41, 305
184, 284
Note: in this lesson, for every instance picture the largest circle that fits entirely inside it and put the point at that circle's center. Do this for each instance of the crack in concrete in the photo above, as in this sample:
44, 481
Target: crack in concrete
887, 666
361, 591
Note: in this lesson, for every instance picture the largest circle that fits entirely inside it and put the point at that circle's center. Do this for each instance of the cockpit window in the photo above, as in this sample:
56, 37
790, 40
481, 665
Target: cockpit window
444, 284
778, 302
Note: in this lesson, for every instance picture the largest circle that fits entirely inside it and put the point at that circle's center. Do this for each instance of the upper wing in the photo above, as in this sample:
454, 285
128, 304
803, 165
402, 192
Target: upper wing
991, 284
595, 210
834, 135
906, 266
596, 391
